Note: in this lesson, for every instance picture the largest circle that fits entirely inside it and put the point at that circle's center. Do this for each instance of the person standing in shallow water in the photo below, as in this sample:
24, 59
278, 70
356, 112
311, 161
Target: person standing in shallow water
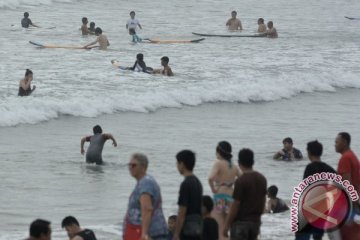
25, 84
97, 141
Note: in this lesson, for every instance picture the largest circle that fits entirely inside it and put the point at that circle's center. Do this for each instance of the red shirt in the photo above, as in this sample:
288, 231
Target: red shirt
349, 163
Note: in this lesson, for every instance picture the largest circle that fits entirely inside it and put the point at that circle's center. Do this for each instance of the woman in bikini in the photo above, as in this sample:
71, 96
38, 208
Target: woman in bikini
221, 180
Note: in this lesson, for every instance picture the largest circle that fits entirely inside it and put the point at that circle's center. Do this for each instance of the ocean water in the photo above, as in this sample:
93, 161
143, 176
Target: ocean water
252, 92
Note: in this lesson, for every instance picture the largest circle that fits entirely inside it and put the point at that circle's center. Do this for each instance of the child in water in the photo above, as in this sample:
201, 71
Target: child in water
139, 65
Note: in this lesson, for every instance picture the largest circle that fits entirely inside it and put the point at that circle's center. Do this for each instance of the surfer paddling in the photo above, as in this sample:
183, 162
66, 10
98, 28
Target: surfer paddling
234, 23
26, 21
25, 84
166, 70
101, 39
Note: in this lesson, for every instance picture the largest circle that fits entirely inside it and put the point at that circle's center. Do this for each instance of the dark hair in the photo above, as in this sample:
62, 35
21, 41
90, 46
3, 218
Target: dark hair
132, 12
84, 20
165, 59
38, 227
346, 136
92, 24
97, 129
140, 57
272, 191
187, 157
261, 20
208, 203
314, 148
28, 72
288, 140
68, 221
234, 12
98, 30
246, 157
26, 14
224, 150
172, 217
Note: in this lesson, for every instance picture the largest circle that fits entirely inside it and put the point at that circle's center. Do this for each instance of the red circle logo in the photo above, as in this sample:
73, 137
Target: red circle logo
325, 206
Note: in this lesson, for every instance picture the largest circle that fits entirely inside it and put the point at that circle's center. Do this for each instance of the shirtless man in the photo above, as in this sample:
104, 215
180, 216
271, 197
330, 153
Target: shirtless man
271, 32
234, 23
84, 29
26, 21
262, 26
25, 84
167, 70
101, 39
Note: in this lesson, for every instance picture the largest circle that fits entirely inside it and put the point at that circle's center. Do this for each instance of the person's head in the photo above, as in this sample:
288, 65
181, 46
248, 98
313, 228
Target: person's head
92, 25
28, 74
84, 20
272, 191
140, 57
288, 143
260, 21
26, 14
270, 24
138, 165
246, 159
172, 223
132, 14
223, 150
314, 149
342, 142
185, 161
233, 14
164, 61
40, 229
207, 205
97, 129
98, 31
71, 226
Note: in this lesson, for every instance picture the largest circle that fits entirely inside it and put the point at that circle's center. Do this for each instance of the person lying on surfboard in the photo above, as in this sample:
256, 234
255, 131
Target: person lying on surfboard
101, 39
262, 26
139, 65
25, 84
234, 23
26, 21
167, 69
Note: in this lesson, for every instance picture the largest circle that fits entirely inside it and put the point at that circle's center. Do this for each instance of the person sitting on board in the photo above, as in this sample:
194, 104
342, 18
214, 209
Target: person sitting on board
262, 26
271, 32
234, 23
288, 153
97, 141
101, 39
26, 21
132, 24
91, 29
274, 204
135, 37
84, 29
25, 84
139, 65
167, 70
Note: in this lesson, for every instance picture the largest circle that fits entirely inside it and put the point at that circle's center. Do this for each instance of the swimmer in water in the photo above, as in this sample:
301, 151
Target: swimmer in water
26, 21
234, 23
139, 65
25, 84
166, 70
101, 39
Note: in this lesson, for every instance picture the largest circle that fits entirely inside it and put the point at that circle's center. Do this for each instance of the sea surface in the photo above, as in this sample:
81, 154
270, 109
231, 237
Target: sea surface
250, 91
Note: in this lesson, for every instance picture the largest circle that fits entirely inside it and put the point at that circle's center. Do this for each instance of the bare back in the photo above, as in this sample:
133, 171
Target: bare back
224, 176
103, 42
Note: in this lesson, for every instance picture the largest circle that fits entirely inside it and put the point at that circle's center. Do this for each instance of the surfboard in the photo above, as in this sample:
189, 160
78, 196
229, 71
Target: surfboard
227, 35
174, 41
116, 64
352, 18
40, 45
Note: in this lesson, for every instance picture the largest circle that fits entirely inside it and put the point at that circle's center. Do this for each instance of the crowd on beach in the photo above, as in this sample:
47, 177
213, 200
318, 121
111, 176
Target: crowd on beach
240, 195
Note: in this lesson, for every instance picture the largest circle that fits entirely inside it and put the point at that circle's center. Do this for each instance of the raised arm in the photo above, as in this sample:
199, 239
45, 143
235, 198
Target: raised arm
146, 213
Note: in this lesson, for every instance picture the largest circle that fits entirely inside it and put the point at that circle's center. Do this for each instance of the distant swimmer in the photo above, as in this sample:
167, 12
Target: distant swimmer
74, 231
139, 65
92, 28
84, 29
26, 21
97, 141
25, 84
166, 70
288, 153
131, 25
275, 204
271, 32
262, 26
234, 23
101, 39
